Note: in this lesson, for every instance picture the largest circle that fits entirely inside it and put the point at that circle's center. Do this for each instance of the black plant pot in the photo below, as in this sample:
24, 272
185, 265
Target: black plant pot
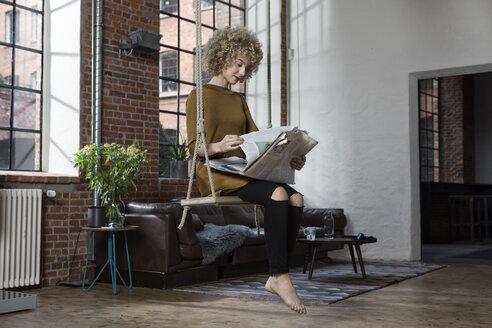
96, 216
178, 169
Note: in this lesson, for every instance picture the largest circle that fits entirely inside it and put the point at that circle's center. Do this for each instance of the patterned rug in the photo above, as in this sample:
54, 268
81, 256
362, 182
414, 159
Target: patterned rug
329, 284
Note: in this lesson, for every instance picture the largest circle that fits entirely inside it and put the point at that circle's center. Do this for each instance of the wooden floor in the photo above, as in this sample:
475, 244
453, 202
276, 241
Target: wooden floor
457, 296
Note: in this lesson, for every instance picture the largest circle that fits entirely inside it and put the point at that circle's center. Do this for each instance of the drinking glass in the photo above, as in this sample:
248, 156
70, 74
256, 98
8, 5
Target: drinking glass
329, 225
310, 233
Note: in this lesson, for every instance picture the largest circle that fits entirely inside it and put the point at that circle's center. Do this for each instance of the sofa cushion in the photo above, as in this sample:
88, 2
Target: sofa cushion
190, 252
209, 214
243, 215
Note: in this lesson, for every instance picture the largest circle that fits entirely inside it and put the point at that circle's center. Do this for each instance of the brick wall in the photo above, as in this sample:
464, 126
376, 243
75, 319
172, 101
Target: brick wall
456, 130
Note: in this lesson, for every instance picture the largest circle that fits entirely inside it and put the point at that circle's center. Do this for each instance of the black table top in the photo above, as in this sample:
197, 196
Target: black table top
341, 239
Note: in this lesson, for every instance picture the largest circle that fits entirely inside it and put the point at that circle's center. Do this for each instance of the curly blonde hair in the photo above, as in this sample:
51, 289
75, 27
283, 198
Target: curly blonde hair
228, 43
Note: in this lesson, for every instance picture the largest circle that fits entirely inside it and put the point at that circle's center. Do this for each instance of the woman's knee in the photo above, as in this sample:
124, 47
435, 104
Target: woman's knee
296, 200
280, 194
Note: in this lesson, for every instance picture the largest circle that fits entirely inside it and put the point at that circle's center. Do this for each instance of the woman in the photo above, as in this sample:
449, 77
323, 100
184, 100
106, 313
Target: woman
232, 55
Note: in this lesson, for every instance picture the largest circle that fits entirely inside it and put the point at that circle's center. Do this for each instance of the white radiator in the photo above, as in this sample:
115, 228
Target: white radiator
20, 237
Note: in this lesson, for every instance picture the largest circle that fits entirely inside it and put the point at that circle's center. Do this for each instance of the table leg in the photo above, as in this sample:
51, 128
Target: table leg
311, 268
86, 264
351, 250
306, 258
128, 261
361, 261
129, 268
112, 259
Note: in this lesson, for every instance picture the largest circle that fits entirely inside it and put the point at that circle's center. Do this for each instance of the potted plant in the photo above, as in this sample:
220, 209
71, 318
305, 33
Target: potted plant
111, 169
178, 155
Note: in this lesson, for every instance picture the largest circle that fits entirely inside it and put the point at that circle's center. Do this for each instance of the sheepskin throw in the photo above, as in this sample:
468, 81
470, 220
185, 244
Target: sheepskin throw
219, 240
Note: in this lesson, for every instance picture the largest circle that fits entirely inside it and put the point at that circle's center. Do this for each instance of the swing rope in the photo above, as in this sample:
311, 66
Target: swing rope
200, 127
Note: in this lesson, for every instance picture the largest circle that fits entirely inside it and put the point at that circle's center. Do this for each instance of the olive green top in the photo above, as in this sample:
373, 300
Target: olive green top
224, 112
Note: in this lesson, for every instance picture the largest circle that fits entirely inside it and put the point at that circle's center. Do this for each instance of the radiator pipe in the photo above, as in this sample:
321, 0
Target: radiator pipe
96, 103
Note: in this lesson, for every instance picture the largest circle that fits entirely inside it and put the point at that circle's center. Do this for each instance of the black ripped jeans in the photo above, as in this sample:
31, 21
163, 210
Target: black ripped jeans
281, 221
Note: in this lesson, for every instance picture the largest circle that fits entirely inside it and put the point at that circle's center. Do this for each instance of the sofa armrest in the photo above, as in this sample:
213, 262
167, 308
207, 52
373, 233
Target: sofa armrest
186, 240
186, 235
152, 247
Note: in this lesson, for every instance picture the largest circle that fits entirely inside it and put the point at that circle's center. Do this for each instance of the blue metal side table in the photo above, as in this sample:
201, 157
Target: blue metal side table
111, 256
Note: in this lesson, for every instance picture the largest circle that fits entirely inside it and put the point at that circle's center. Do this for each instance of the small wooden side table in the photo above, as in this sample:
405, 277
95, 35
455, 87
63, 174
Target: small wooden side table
351, 241
111, 256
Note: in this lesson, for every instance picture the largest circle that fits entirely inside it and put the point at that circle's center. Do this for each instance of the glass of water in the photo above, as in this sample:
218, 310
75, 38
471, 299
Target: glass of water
329, 225
310, 233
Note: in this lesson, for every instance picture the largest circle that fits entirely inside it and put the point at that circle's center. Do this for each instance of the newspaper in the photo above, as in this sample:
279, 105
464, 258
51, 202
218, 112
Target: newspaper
268, 154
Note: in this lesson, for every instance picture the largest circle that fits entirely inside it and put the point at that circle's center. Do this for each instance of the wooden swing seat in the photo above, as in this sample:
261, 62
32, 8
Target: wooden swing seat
217, 201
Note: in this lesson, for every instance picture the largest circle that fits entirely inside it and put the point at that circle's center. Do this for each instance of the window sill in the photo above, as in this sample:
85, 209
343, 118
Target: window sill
37, 177
172, 181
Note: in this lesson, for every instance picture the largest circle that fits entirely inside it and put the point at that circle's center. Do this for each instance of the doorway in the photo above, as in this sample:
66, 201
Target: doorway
455, 152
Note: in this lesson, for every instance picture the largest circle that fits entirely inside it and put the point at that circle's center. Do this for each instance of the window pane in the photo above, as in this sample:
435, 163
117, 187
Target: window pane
187, 35
5, 64
168, 104
169, 31
238, 3
24, 37
168, 68
207, 16
237, 17
170, 6
5, 107
26, 151
169, 123
207, 4
187, 68
36, 20
186, 9
6, 22
27, 110
4, 149
30, 3
185, 90
26, 62
221, 15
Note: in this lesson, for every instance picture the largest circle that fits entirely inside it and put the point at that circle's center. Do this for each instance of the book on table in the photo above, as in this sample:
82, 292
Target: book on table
268, 154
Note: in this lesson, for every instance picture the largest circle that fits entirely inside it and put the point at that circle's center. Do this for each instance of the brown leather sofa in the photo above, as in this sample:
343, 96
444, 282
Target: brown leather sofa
163, 256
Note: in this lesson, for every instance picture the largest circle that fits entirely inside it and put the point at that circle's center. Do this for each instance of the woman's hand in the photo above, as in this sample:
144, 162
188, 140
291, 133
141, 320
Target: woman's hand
228, 143
297, 163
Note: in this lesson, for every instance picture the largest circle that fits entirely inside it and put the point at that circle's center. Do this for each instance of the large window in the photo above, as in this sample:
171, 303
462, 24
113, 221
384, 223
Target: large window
21, 54
429, 130
177, 56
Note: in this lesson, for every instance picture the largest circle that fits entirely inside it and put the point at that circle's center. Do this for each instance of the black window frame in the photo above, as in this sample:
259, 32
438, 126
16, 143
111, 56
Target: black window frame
167, 140
13, 86
429, 130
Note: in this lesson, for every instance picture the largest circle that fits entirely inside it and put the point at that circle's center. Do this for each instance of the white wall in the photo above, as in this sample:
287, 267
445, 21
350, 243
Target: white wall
483, 128
61, 85
351, 76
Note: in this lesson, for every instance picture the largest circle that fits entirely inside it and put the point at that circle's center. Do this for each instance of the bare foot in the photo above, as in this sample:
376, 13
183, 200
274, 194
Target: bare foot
268, 286
281, 285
